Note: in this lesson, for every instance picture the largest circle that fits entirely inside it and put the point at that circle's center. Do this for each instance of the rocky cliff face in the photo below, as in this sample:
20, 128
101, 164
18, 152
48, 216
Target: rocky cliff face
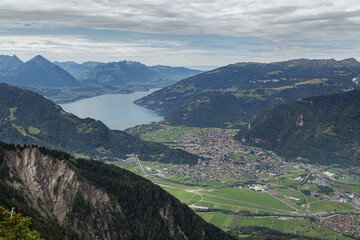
91, 200
48, 183
52, 187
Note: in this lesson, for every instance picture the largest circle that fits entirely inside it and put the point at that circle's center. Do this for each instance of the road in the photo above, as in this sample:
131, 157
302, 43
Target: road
305, 179
140, 166
307, 201
280, 200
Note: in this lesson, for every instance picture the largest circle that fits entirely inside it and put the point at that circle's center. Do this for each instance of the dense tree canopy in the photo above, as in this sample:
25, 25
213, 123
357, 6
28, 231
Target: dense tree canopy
13, 226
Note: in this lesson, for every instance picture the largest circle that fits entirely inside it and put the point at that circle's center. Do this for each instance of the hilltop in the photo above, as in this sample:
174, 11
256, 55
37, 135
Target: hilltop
8, 63
231, 96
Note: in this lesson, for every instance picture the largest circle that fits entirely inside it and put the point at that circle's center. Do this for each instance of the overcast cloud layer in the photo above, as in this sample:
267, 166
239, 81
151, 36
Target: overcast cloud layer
188, 32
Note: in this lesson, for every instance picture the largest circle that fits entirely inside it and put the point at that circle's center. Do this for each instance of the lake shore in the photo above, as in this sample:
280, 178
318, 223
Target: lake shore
117, 111
72, 94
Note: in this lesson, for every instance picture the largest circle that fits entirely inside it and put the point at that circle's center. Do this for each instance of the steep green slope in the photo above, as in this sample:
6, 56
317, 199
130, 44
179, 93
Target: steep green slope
76, 199
323, 129
238, 91
28, 118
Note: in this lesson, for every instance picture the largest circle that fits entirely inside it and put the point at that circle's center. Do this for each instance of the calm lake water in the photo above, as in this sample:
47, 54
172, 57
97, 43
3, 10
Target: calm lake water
117, 111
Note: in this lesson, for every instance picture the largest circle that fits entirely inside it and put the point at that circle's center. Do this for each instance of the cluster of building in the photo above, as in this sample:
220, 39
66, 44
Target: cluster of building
349, 197
258, 188
348, 224
356, 80
318, 181
274, 80
352, 173
219, 150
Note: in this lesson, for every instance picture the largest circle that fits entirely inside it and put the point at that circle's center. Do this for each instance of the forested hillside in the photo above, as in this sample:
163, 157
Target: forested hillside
28, 118
323, 129
83, 199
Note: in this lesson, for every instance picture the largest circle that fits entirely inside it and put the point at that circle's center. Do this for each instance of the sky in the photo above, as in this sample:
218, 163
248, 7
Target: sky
201, 34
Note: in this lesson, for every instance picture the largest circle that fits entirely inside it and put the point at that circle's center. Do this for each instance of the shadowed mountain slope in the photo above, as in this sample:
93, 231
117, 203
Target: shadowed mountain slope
323, 129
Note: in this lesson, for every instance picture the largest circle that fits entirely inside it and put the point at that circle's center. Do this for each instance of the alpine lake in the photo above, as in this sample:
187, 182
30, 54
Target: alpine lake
117, 111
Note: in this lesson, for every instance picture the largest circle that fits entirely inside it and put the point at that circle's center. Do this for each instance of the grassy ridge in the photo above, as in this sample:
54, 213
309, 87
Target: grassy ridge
231, 96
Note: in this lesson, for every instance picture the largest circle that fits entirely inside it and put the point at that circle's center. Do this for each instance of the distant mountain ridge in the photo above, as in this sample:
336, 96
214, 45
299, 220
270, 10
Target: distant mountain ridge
126, 73
82, 199
323, 129
37, 72
9, 62
230, 96
69, 81
28, 118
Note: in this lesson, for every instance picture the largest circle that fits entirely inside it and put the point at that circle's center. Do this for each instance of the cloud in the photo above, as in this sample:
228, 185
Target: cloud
208, 50
180, 32
81, 49
267, 19
274, 10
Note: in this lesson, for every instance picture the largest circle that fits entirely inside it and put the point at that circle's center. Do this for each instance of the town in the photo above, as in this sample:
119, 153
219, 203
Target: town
307, 190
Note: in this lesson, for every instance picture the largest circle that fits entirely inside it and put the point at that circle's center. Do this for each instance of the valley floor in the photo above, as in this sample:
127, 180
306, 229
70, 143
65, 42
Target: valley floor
239, 186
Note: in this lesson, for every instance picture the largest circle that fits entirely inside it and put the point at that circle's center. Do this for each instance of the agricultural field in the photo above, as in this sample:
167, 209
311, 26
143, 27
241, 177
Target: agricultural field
285, 225
243, 155
310, 187
292, 193
330, 206
205, 198
355, 188
248, 196
288, 180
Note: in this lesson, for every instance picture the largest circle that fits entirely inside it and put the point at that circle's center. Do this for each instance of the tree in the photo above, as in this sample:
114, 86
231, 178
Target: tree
13, 226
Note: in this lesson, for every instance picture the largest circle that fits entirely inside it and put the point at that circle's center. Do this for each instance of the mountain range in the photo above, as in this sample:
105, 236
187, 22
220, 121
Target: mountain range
28, 118
82, 199
322, 129
38, 72
68, 81
231, 96
127, 73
